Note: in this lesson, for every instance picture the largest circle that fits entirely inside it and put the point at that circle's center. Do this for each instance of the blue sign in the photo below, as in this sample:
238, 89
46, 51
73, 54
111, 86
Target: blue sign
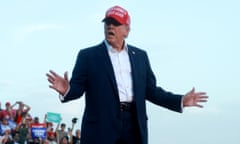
38, 132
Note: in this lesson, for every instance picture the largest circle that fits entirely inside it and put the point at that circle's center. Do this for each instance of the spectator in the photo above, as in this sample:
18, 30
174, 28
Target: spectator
49, 126
16, 139
64, 140
37, 139
22, 110
5, 125
51, 138
50, 130
36, 120
23, 131
77, 137
8, 111
60, 133
7, 137
51, 134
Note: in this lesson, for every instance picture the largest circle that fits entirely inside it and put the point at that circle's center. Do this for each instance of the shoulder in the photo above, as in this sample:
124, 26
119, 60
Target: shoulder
92, 48
91, 51
137, 50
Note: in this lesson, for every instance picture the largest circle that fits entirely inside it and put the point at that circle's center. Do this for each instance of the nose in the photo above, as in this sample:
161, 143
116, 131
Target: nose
109, 27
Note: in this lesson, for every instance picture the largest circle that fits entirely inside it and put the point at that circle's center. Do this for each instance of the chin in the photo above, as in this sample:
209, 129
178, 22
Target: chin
110, 41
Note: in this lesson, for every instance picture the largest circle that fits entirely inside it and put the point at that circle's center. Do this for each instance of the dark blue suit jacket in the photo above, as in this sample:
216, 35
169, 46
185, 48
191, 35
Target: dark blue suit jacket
93, 75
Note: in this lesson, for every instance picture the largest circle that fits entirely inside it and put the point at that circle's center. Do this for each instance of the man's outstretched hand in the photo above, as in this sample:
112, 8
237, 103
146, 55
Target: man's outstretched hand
57, 82
193, 98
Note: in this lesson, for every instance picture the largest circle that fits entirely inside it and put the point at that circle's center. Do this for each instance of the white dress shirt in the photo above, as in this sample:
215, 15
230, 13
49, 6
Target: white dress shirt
122, 71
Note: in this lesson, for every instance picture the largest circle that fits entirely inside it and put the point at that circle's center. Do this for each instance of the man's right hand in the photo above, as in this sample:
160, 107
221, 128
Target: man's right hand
58, 83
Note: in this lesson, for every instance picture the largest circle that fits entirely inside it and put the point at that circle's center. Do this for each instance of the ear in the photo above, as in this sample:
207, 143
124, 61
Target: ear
127, 30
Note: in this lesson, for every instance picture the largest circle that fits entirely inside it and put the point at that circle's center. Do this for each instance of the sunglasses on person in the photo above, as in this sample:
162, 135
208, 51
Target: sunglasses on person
112, 21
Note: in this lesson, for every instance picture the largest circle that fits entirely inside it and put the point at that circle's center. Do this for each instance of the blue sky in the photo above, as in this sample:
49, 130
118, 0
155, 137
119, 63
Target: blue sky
189, 43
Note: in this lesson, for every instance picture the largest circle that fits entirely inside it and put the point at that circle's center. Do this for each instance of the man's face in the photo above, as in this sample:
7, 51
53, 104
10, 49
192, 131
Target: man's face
115, 32
63, 127
36, 120
8, 107
78, 133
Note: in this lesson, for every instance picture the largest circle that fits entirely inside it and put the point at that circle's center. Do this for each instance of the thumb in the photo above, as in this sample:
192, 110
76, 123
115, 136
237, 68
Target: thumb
66, 75
193, 90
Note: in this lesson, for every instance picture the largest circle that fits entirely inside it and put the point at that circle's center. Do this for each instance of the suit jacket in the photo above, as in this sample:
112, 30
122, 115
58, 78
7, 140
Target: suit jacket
93, 76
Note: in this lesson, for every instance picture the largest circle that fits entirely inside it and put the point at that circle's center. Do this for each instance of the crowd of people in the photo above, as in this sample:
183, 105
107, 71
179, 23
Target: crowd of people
16, 127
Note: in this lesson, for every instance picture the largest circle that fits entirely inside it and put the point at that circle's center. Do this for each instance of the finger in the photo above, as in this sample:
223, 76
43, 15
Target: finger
66, 75
201, 100
49, 75
200, 106
51, 80
202, 97
193, 90
201, 93
51, 86
53, 73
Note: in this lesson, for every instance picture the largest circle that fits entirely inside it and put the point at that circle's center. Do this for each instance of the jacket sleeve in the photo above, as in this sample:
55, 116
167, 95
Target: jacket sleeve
78, 81
158, 95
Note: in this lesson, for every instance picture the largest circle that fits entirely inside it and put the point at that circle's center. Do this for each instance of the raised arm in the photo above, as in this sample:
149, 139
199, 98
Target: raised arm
28, 108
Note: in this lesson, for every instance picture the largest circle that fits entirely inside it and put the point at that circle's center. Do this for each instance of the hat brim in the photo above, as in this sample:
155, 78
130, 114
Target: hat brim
111, 20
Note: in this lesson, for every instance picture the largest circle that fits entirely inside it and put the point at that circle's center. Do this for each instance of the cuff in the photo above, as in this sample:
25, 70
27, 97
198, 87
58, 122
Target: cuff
61, 97
182, 104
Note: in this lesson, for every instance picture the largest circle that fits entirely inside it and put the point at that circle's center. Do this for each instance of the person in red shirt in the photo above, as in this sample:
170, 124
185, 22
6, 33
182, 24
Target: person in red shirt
8, 112
22, 111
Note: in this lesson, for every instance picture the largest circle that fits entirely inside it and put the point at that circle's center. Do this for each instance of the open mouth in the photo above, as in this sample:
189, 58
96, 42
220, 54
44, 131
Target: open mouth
111, 33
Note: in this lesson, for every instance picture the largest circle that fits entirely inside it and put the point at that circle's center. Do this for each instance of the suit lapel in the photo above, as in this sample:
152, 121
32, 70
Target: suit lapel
107, 65
134, 68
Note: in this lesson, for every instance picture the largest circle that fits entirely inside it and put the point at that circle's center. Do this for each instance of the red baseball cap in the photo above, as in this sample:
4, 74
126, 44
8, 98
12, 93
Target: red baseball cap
119, 14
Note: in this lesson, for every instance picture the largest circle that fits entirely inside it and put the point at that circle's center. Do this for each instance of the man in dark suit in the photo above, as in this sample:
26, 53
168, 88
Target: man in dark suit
117, 79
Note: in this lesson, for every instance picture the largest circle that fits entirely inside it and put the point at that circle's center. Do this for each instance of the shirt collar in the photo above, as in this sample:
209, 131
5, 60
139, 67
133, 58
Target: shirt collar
111, 49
